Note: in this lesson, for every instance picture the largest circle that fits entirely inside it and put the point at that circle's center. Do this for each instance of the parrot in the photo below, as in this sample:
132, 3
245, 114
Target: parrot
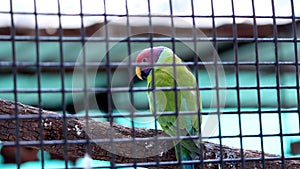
166, 100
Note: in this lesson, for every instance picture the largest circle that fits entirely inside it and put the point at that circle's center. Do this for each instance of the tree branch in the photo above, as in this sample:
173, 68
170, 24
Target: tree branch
112, 142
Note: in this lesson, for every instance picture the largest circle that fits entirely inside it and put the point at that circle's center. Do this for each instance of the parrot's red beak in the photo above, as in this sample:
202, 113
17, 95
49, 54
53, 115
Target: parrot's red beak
138, 73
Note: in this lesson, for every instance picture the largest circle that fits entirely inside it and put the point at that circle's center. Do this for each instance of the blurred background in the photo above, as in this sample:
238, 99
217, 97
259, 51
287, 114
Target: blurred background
43, 43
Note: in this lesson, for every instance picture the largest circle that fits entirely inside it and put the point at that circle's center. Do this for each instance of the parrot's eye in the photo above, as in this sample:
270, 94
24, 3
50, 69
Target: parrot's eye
144, 60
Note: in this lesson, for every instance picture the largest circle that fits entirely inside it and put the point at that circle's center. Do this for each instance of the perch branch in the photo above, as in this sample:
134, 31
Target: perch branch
113, 142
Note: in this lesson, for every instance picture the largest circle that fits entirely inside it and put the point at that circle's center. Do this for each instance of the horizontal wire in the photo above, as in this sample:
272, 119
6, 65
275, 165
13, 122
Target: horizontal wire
138, 139
141, 89
99, 65
139, 114
205, 161
151, 15
144, 39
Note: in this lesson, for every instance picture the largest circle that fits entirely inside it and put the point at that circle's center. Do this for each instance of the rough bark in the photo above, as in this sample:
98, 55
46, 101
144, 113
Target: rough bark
73, 136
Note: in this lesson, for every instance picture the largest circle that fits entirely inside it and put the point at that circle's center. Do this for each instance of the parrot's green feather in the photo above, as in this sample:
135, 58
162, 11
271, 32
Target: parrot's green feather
187, 100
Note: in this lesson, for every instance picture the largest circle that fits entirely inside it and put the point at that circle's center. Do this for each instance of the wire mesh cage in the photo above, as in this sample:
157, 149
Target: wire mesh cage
220, 84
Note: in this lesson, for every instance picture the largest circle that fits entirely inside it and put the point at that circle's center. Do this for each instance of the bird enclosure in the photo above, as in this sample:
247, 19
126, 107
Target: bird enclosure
70, 97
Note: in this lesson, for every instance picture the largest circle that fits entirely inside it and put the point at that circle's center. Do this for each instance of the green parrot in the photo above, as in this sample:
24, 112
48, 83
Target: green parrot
188, 100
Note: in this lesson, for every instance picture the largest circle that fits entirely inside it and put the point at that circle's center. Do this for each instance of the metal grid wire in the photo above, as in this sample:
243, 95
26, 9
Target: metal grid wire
260, 65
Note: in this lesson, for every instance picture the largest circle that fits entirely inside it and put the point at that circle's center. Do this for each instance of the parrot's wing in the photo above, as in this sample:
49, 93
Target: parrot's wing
165, 101
192, 102
186, 100
190, 98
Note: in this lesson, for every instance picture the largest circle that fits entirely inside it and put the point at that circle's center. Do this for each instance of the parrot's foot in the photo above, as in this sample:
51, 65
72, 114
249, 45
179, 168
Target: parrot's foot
197, 158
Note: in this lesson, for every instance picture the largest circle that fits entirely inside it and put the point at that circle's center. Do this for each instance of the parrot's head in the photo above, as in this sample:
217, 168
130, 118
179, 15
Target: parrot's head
146, 56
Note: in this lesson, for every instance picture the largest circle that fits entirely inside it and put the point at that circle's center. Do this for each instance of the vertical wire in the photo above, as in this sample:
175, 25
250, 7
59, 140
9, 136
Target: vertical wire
153, 87
255, 32
108, 78
198, 95
177, 111
217, 83
132, 113
85, 88
277, 69
294, 28
62, 78
15, 90
38, 70
235, 48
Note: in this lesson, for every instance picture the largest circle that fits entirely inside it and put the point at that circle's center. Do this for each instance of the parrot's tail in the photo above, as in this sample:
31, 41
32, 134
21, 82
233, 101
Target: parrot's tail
187, 166
185, 156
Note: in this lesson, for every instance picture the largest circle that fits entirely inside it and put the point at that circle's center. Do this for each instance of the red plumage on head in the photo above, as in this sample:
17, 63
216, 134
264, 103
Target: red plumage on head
146, 56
